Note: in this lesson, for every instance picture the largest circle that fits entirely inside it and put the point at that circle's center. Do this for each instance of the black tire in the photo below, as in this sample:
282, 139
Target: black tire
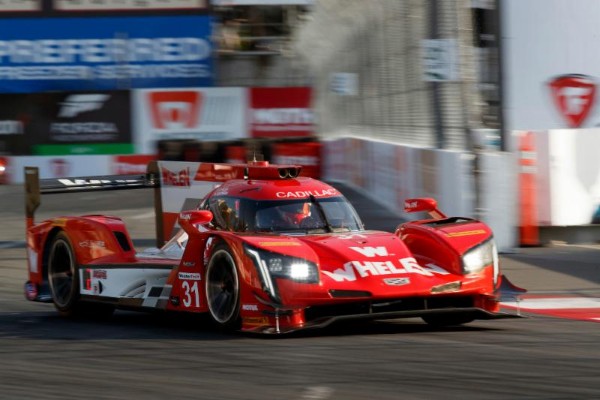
223, 289
442, 320
62, 275
63, 279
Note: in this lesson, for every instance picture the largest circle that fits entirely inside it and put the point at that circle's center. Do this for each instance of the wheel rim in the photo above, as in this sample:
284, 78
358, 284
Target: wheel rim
61, 271
222, 287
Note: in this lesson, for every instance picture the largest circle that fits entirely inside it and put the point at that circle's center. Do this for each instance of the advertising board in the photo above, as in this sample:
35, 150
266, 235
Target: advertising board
20, 5
191, 113
65, 123
281, 112
82, 123
122, 5
104, 53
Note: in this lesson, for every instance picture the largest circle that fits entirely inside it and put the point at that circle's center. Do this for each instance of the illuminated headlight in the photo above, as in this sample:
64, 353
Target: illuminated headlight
480, 257
2, 168
275, 265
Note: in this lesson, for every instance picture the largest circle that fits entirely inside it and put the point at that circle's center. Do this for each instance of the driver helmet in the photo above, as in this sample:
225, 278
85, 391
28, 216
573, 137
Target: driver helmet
295, 213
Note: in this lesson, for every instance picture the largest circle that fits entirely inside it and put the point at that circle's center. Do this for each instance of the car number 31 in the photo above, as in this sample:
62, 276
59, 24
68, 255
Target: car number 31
191, 294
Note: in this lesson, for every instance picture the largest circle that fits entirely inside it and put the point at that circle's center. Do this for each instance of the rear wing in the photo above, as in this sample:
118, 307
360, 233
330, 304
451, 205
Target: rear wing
178, 186
36, 187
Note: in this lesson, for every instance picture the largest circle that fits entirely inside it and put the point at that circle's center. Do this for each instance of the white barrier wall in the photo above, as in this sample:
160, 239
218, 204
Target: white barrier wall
498, 196
389, 173
58, 166
573, 175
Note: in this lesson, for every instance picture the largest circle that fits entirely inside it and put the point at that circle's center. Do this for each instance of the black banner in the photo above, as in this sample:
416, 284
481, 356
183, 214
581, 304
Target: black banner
52, 123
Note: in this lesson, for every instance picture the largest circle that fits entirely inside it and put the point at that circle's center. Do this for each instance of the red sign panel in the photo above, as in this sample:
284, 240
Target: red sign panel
131, 164
281, 112
176, 108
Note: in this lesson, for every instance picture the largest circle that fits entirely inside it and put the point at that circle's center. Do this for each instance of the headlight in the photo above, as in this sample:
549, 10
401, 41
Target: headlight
274, 265
480, 257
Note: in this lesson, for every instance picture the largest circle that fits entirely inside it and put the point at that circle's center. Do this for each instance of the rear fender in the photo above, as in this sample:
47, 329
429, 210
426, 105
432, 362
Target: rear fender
96, 238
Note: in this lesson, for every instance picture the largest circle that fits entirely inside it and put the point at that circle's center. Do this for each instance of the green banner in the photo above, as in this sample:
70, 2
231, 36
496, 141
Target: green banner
82, 149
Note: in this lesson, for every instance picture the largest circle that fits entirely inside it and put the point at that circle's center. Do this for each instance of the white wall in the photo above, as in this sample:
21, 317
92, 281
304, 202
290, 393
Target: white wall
389, 173
543, 39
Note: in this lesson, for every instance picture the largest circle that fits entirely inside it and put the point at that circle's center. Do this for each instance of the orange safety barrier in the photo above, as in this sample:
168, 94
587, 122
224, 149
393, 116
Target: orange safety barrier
528, 215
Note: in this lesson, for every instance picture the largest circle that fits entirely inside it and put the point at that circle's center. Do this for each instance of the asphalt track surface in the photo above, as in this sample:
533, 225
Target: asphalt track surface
153, 356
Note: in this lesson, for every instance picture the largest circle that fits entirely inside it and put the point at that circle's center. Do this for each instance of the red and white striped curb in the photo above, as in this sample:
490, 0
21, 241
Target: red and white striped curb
570, 307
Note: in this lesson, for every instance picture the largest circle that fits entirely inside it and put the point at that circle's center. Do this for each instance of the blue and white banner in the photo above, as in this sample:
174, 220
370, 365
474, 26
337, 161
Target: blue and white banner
104, 53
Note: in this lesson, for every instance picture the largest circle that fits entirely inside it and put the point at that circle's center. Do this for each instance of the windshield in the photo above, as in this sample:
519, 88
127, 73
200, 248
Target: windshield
309, 215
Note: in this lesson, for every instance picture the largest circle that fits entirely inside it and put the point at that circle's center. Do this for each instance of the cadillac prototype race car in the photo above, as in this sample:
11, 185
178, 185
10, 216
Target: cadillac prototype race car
259, 248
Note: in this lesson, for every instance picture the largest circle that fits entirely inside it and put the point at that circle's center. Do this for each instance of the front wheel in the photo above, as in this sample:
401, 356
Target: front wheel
223, 288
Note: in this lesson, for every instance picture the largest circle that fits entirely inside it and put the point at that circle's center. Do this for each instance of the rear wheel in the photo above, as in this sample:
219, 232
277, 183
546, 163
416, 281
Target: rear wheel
441, 320
223, 288
62, 275
63, 279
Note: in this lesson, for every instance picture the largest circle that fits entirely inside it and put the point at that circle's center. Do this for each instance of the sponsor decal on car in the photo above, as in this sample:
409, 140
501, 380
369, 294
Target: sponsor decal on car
100, 274
396, 281
250, 307
61, 222
307, 193
369, 251
92, 243
176, 178
466, 233
256, 321
189, 276
353, 270
278, 244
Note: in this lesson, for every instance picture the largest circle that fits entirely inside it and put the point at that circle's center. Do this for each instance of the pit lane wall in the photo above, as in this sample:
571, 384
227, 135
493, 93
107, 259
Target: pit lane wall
464, 185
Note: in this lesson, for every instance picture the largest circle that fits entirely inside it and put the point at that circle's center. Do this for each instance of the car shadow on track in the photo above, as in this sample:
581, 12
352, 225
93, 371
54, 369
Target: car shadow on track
161, 326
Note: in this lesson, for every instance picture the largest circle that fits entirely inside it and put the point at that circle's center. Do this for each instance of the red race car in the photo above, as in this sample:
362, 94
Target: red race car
259, 249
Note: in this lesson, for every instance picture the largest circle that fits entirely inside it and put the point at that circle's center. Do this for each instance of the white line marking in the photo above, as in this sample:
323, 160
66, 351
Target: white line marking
555, 303
149, 214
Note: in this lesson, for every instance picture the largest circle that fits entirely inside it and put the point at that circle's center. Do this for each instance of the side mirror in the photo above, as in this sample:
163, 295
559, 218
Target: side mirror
424, 204
187, 219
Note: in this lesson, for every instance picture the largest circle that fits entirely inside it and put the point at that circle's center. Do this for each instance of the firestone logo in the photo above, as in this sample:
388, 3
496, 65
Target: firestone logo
175, 110
574, 95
